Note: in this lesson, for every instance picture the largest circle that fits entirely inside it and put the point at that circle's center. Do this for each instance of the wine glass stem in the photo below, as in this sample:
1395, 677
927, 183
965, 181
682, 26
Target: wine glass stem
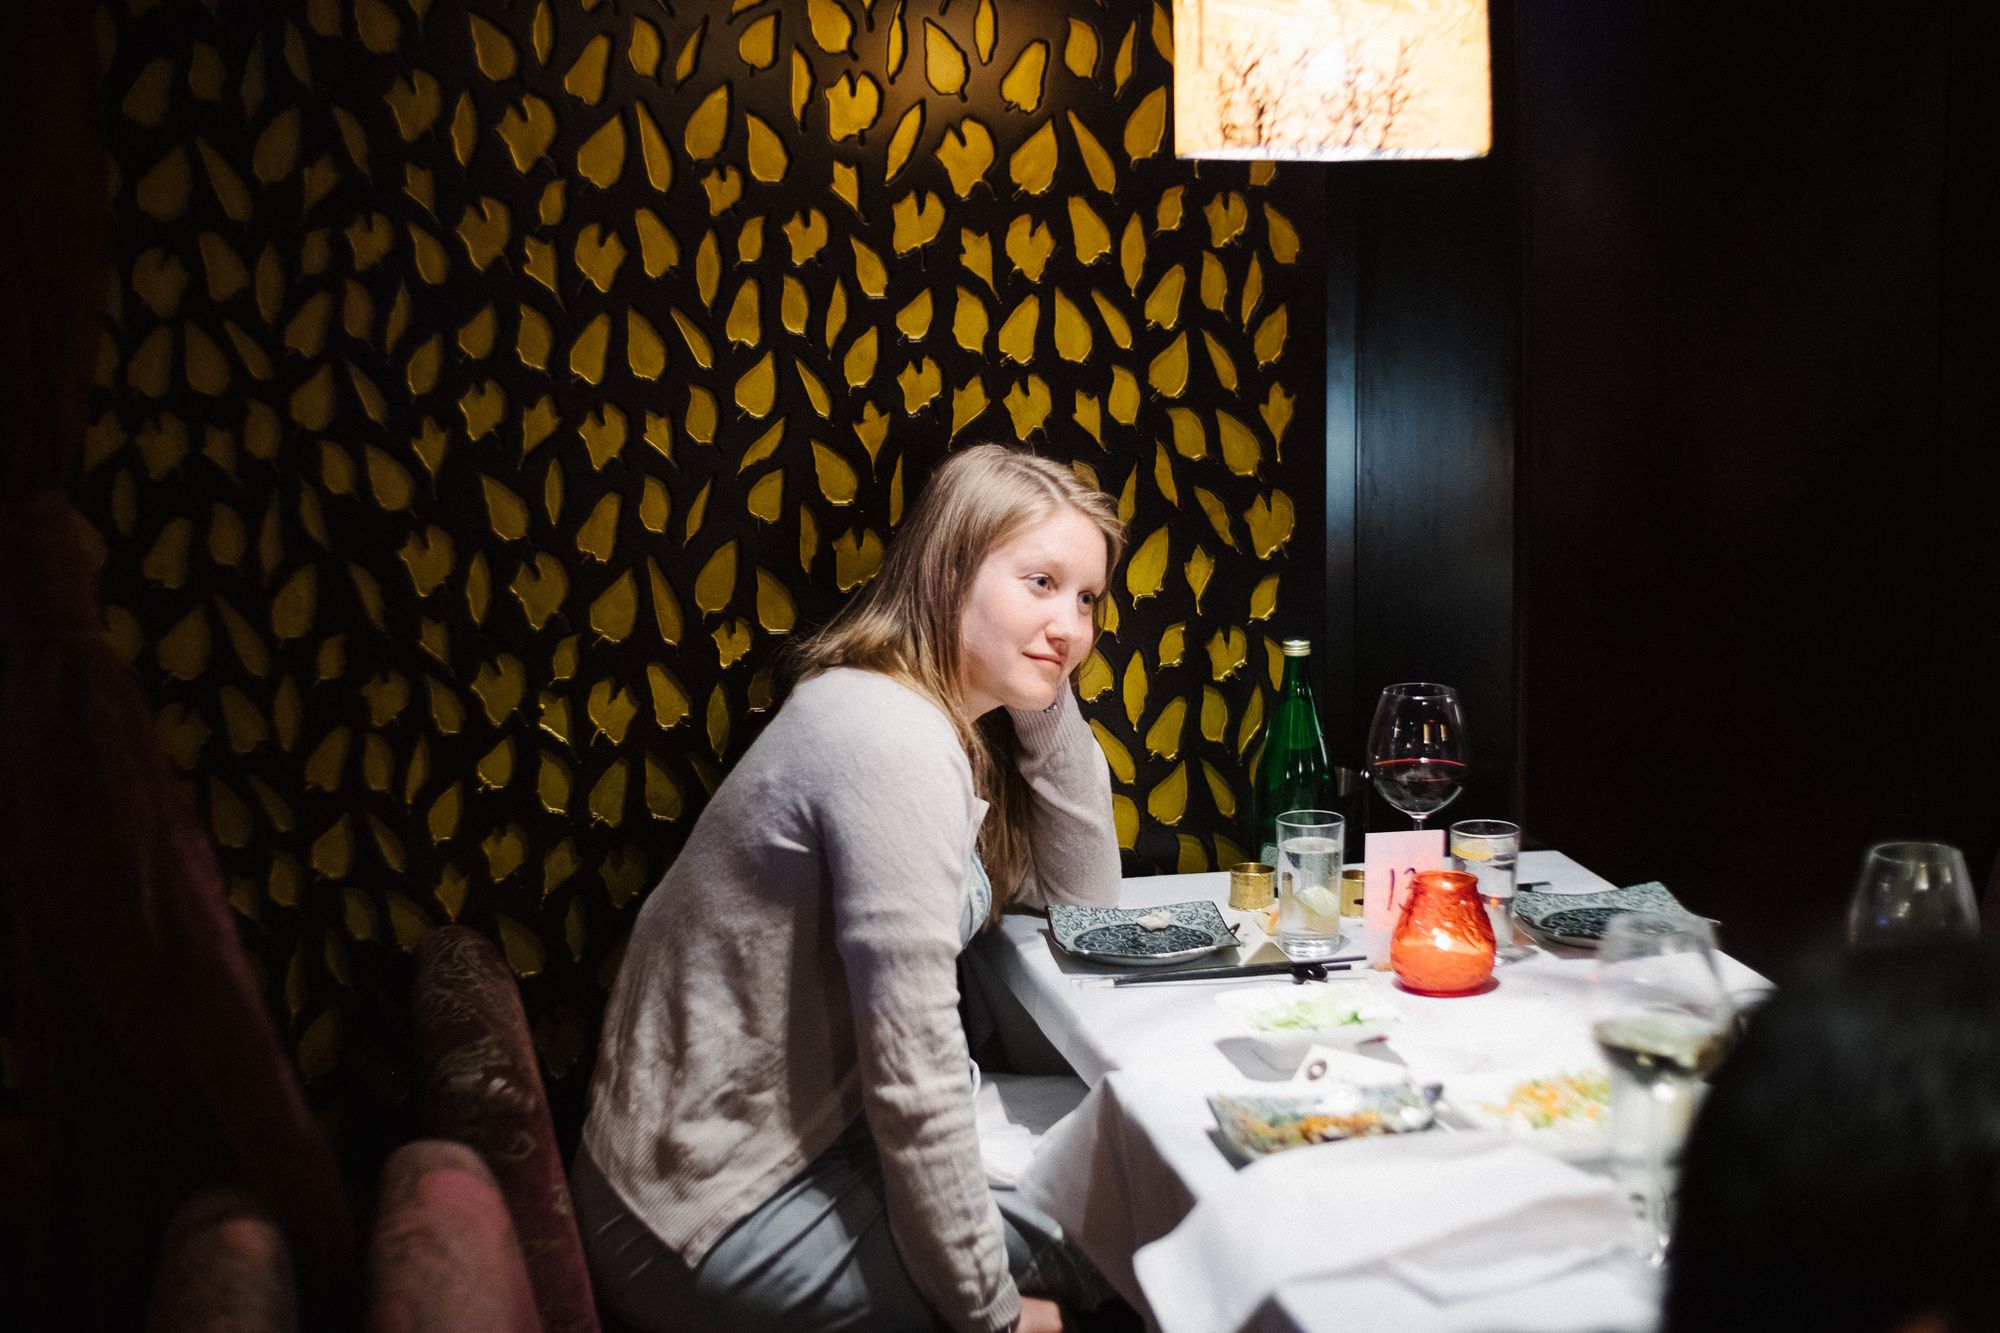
1662, 1106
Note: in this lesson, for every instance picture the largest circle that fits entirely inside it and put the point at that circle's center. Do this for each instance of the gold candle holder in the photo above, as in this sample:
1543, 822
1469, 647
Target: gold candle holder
1251, 886
1353, 890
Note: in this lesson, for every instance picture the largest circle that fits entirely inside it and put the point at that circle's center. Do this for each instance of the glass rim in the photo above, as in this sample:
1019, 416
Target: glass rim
1909, 849
1292, 818
1499, 829
1660, 923
1422, 689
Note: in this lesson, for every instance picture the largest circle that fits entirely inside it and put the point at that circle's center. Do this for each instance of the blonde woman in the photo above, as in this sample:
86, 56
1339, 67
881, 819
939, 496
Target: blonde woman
781, 1127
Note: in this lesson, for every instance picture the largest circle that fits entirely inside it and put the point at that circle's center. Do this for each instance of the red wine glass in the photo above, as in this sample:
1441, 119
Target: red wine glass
1417, 748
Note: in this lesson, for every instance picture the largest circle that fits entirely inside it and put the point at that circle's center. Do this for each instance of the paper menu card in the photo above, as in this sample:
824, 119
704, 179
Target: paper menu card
1391, 860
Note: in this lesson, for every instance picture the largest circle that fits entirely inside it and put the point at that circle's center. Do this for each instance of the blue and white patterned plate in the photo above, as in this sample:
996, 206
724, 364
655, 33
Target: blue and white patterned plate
1114, 935
1580, 918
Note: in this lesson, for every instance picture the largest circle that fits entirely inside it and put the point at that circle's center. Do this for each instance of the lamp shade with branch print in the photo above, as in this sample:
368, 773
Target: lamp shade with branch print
1332, 80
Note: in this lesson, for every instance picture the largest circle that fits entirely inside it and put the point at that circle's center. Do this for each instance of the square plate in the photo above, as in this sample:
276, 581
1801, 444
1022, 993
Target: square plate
1114, 935
1257, 1124
1579, 918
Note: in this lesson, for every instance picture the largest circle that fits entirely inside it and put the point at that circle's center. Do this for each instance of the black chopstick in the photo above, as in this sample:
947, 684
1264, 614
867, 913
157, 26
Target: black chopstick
1313, 971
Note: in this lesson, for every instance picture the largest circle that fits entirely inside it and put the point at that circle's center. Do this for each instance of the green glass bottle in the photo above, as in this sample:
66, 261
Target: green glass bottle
1293, 773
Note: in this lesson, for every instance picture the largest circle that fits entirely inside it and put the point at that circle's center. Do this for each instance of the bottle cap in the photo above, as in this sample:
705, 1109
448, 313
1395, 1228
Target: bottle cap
1296, 647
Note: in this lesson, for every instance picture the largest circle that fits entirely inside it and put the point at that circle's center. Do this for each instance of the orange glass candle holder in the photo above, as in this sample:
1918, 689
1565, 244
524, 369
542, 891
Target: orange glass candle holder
1443, 943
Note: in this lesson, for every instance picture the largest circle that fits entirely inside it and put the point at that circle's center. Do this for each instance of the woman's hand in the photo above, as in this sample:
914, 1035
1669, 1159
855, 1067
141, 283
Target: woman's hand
1039, 1316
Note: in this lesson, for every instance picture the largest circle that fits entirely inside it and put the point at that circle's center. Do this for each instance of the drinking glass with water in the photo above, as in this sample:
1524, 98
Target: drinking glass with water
1489, 850
1310, 844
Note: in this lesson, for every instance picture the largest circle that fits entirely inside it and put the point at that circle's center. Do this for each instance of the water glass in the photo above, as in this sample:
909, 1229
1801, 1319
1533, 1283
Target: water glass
1310, 844
1910, 891
1489, 850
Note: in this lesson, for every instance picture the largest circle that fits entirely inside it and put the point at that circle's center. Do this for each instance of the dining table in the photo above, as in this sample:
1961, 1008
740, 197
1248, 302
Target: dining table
1139, 1161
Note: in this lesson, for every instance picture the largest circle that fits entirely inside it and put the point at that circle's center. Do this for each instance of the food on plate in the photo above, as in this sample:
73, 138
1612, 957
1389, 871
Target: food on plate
1558, 1102
1263, 1124
1309, 1009
1155, 921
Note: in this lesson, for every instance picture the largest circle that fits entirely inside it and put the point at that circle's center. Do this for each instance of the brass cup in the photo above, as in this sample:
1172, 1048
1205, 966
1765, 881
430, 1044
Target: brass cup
1251, 887
1353, 888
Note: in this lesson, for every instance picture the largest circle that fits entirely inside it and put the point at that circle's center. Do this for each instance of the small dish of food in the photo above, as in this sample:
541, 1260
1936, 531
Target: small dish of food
1256, 1124
1564, 1113
1283, 1022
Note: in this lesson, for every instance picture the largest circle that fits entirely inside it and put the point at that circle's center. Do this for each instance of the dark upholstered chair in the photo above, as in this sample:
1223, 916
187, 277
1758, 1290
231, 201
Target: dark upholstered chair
443, 1256
479, 1083
224, 1267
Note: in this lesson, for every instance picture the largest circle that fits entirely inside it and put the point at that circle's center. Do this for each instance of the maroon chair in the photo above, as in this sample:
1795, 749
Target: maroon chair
443, 1256
224, 1267
479, 1083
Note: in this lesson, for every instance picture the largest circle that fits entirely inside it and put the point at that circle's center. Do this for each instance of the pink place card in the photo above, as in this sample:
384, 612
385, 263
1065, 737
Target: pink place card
1391, 860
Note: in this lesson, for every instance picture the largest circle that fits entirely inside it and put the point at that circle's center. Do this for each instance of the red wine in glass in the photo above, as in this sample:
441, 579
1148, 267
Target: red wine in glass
1417, 748
1419, 787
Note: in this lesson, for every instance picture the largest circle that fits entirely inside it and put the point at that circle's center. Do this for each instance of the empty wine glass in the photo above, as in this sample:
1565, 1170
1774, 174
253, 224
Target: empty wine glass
1417, 748
1910, 891
1662, 1017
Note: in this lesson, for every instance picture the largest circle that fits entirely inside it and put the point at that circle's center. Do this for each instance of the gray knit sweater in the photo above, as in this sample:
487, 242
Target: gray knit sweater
796, 968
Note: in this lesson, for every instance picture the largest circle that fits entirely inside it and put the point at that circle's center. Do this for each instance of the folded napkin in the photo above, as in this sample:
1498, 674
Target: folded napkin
1452, 1215
1012, 1112
1537, 908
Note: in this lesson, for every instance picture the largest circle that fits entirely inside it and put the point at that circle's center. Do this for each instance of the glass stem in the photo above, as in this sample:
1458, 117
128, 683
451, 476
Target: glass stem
1660, 1107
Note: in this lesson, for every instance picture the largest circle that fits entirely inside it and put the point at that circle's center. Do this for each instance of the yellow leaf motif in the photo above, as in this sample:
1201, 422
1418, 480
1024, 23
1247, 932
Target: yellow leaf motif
1093, 238
859, 363
1028, 406
913, 321
916, 225
1167, 802
670, 701
1146, 570
757, 390
1115, 754
870, 273
1132, 253
837, 481
1029, 245
1094, 676
1095, 160
832, 28
1240, 449
585, 80
718, 721
856, 559
1072, 331
758, 46
920, 382
1021, 87
1135, 689
768, 157
1218, 517
966, 152
1146, 126
1270, 524
1264, 598
742, 325
1163, 738
1125, 821
1277, 414
1214, 714
1080, 50
528, 130
903, 141
614, 613
1199, 569
1281, 235
1227, 215
703, 134
806, 234
776, 611
1017, 332
1227, 650
1032, 166
1218, 790
1115, 322
1163, 305
1269, 340
1123, 400
967, 403
945, 66
716, 583
1225, 369
1168, 372
1253, 291
852, 105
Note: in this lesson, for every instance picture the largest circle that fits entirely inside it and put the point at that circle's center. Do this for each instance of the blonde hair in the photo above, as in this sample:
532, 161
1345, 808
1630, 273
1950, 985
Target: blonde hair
907, 622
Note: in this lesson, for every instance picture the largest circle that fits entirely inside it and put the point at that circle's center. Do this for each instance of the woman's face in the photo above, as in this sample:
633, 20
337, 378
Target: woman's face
1028, 619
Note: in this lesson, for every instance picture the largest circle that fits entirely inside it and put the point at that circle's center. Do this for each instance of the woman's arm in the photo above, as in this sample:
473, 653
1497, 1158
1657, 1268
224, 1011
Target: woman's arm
896, 825
1072, 844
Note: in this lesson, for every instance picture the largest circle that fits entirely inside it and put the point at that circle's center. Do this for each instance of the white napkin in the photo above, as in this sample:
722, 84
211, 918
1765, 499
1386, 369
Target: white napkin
1453, 1215
1013, 1111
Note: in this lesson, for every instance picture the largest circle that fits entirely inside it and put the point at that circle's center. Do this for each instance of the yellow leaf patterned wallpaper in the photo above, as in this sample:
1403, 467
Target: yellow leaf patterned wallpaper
489, 389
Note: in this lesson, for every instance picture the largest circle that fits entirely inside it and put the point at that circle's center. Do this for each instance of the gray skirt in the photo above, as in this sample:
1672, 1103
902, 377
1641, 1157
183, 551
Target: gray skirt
817, 1255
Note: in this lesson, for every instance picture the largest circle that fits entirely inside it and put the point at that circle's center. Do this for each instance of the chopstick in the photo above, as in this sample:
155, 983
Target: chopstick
1312, 971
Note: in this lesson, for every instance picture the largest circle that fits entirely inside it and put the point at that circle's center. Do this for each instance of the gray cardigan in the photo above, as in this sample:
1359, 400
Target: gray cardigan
796, 967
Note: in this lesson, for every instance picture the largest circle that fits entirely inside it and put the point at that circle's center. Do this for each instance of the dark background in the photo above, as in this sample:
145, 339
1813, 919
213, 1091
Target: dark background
1671, 435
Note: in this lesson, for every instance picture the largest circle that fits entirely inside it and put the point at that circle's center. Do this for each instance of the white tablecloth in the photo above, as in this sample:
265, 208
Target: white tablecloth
1128, 1166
